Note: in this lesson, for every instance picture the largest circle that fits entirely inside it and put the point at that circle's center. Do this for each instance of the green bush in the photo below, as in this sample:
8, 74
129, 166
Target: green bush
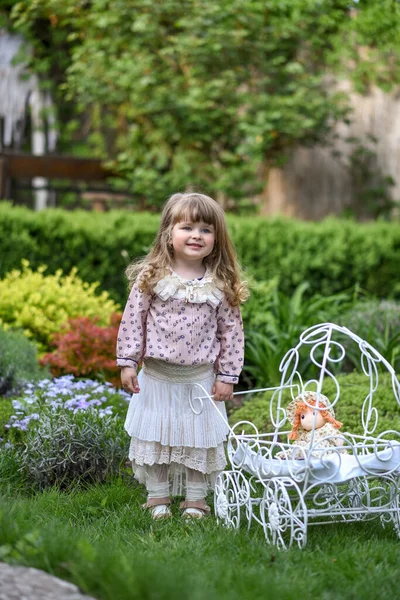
373, 316
274, 321
71, 448
40, 304
18, 362
6, 410
332, 255
98, 245
377, 322
67, 431
354, 388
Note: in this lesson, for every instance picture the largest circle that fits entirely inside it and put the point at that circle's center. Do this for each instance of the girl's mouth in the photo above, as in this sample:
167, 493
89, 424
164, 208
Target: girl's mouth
195, 246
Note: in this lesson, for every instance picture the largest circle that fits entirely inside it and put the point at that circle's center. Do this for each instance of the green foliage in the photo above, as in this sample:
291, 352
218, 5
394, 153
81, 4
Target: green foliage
372, 196
100, 539
276, 327
331, 256
367, 47
69, 448
6, 410
98, 245
377, 322
373, 316
18, 363
354, 388
186, 108
66, 431
215, 89
40, 304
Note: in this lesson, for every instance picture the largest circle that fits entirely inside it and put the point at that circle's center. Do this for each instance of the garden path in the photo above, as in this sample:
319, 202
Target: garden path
25, 583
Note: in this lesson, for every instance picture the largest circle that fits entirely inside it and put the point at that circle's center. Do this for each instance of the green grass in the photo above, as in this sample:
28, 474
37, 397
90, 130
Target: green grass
103, 541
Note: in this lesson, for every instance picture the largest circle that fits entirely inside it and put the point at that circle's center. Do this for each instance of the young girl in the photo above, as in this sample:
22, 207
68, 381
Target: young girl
182, 323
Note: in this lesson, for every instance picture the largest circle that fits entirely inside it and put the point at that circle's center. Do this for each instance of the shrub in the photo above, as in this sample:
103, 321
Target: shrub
85, 349
18, 362
68, 431
377, 322
354, 388
6, 411
273, 323
98, 245
375, 316
72, 448
332, 255
39, 304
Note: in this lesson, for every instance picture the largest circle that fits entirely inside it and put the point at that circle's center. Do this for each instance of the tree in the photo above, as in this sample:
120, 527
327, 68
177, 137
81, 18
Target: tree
197, 91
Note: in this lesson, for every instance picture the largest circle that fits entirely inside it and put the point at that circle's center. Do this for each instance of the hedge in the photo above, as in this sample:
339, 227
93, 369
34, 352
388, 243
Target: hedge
331, 255
354, 388
18, 363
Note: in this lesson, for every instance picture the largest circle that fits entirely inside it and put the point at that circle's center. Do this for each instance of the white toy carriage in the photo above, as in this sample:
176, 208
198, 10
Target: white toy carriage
355, 479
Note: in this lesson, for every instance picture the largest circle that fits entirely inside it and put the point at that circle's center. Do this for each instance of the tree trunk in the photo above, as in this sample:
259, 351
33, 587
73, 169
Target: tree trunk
273, 199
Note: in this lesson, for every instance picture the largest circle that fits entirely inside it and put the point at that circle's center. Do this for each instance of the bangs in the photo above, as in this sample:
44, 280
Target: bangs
194, 208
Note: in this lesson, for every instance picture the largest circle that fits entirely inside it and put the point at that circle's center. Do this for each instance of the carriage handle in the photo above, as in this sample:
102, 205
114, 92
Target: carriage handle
207, 396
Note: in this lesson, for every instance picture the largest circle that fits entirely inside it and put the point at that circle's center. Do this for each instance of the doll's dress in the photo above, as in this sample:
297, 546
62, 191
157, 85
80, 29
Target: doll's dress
324, 437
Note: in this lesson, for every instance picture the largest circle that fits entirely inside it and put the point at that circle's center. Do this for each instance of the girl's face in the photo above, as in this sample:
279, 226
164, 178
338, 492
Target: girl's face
307, 418
192, 241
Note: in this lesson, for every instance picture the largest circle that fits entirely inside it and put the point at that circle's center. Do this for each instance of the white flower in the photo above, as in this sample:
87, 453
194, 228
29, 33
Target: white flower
273, 516
221, 505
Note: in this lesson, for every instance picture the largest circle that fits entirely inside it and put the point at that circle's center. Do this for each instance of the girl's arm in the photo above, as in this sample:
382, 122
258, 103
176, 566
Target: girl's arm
132, 330
231, 337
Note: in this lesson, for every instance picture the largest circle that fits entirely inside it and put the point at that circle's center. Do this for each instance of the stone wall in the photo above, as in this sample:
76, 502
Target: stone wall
316, 183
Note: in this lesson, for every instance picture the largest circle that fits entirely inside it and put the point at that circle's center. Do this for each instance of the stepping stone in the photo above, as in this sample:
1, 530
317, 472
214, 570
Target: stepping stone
25, 583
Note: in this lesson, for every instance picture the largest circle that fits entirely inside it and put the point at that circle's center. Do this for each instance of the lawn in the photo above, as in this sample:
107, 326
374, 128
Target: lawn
102, 540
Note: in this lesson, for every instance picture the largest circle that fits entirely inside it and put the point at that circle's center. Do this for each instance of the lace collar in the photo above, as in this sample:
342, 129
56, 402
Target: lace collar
197, 291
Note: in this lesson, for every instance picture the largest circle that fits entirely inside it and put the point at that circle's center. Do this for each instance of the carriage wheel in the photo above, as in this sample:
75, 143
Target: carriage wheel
231, 493
284, 514
395, 506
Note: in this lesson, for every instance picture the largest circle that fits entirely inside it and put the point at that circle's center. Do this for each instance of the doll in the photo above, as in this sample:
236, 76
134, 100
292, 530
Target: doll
302, 417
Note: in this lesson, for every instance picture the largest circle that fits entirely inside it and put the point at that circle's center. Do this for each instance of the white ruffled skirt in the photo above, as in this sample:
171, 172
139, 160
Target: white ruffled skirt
170, 424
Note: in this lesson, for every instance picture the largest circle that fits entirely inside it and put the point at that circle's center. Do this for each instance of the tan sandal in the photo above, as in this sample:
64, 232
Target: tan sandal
195, 509
159, 508
160, 511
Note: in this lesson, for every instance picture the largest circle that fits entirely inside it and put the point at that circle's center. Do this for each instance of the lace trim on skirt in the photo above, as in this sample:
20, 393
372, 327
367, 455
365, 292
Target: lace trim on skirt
205, 460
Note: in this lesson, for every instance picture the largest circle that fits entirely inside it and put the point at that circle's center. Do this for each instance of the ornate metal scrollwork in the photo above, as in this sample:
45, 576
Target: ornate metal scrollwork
282, 491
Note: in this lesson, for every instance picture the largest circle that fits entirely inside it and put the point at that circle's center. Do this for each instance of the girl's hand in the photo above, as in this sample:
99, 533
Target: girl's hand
129, 380
222, 391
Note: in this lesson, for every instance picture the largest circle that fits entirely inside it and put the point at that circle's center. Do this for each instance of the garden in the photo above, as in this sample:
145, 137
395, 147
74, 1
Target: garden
218, 95
69, 503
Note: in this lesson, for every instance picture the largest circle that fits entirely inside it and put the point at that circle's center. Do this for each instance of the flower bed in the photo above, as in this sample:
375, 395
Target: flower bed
66, 431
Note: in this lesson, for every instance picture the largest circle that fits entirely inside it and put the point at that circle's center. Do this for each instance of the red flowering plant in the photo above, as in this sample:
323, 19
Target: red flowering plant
84, 349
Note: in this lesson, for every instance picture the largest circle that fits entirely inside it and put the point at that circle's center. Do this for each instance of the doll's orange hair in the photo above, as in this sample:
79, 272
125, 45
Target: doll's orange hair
301, 407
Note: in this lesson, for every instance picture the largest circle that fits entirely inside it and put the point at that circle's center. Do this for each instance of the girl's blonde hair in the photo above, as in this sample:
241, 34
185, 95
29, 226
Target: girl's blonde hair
222, 262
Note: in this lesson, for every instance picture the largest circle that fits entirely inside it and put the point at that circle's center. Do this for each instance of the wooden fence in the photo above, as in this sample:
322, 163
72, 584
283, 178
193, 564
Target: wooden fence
25, 176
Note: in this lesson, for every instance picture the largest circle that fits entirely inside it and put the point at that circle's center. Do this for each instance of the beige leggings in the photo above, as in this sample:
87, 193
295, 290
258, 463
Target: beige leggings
157, 483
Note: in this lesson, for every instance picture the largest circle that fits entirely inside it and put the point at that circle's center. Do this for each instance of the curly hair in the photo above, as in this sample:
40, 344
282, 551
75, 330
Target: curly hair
303, 406
222, 262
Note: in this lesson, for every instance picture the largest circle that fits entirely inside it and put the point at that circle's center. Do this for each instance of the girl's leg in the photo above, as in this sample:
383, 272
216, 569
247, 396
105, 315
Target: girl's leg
196, 490
157, 486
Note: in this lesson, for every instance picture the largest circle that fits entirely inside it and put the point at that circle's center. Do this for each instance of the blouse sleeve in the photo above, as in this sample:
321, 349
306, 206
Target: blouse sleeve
132, 330
230, 334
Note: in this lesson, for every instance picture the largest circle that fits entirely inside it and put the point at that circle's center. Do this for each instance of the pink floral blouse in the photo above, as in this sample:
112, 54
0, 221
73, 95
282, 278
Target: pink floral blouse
185, 323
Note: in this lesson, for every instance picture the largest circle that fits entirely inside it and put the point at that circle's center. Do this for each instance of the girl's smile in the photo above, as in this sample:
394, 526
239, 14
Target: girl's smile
192, 241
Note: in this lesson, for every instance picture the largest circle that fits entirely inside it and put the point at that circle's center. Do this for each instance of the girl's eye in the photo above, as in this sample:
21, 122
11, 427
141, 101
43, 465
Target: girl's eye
186, 227
206, 231
302, 416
